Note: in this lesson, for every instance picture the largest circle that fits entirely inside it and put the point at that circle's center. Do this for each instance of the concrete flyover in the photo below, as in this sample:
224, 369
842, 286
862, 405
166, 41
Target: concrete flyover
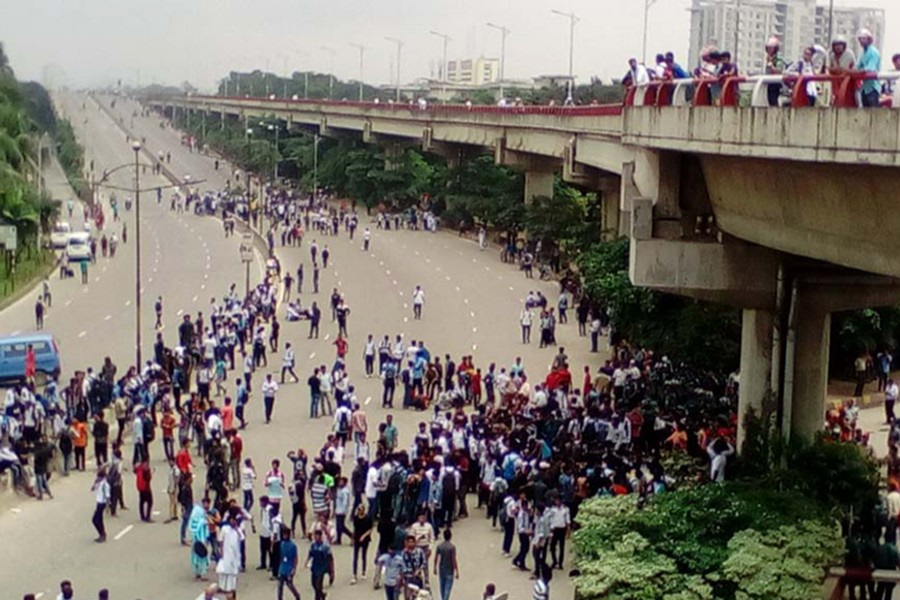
782, 212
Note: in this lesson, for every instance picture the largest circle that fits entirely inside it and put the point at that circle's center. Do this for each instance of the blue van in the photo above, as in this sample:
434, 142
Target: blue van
12, 356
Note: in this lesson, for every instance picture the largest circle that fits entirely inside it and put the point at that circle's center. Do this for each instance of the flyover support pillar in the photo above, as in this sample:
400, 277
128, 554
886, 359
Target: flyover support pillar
810, 368
538, 183
756, 363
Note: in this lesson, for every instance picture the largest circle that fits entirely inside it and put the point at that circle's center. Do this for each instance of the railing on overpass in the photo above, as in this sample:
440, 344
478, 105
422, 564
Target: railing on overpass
592, 110
728, 91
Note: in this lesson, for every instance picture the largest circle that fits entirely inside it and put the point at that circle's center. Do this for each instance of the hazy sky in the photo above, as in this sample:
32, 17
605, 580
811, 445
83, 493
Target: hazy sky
95, 42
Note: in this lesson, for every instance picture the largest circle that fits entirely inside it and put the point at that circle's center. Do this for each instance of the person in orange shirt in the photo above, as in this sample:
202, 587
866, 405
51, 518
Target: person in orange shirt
30, 366
168, 424
227, 415
79, 442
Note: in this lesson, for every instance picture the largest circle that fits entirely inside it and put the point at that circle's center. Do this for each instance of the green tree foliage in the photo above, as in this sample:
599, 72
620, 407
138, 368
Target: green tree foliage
786, 563
261, 83
866, 330
701, 334
478, 190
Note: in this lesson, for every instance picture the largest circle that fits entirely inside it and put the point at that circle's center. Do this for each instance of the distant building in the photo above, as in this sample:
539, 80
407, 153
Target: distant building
744, 26
473, 71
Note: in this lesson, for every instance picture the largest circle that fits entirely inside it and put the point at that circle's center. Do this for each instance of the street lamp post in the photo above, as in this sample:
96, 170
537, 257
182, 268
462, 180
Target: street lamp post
136, 146
399, 50
446, 38
284, 59
331, 52
362, 53
274, 128
573, 19
647, 5
503, 33
304, 56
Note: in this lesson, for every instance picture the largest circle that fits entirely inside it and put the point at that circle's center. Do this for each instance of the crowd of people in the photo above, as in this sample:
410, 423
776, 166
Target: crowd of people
524, 444
716, 65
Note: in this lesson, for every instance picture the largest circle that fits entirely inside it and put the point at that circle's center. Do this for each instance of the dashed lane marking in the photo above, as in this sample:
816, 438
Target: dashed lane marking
194, 299
68, 302
368, 399
457, 289
312, 356
180, 312
327, 335
107, 317
123, 533
472, 314
82, 334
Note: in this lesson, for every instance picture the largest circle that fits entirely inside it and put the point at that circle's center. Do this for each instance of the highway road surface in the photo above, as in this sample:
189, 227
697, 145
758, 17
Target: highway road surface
472, 307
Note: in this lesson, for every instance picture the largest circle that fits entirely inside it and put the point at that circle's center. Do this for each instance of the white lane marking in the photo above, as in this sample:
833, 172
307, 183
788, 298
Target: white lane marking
327, 335
428, 260
149, 280
123, 533
381, 263
474, 346
472, 314
107, 317
180, 312
372, 255
103, 270
466, 300
339, 284
84, 291
405, 305
156, 513
406, 319
487, 268
457, 289
512, 289
16, 332
68, 302
437, 269
474, 330
388, 272
447, 277
312, 356
203, 287
82, 334
474, 260
395, 282
15, 510
194, 299
417, 253
38, 596
401, 293
368, 399
128, 303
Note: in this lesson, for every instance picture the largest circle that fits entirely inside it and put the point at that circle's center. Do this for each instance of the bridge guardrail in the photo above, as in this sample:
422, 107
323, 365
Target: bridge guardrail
838, 90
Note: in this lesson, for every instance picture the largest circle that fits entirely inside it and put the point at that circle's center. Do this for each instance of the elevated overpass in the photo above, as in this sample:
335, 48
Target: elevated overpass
787, 213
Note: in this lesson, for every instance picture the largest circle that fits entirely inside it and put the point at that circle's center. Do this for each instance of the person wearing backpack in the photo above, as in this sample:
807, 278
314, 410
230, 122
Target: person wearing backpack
342, 418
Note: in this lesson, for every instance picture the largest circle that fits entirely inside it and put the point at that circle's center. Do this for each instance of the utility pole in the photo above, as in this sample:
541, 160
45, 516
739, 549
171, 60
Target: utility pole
647, 5
399, 49
362, 53
446, 38
573, 19
331, 52
504, 32
136, 146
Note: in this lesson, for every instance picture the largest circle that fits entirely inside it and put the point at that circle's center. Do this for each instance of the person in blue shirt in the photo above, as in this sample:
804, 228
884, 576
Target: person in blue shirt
869, 62
392, 563
678, 71
288, 566
320, 562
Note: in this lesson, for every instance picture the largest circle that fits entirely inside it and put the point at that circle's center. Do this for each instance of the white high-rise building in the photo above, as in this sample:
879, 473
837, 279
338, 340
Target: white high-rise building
744, 26
473, 71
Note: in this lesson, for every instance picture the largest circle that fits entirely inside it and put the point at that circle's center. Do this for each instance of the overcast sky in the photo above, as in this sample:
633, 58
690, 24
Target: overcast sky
96, 42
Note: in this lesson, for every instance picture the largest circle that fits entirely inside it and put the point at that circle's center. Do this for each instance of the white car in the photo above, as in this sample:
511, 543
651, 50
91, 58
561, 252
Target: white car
59, 238
79, 247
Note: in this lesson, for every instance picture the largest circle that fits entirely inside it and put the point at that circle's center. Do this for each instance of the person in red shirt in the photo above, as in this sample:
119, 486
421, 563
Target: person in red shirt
168, 424
143, 474
183, 459
341, 345
588, 384
237, 450
227, 415
30, 367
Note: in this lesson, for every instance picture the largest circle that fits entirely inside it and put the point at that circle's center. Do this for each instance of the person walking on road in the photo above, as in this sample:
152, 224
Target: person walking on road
446, 566
229, 565
320, 563
525, 320
84, 271
287, 568
315, 315
418, 300
158, 306
288, 362
100, 488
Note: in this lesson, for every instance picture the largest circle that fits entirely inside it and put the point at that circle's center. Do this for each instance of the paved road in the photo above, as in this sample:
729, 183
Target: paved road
472, 307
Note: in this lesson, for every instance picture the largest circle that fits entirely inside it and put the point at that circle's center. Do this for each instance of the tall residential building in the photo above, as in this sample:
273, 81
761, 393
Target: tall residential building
473, 71
746, 25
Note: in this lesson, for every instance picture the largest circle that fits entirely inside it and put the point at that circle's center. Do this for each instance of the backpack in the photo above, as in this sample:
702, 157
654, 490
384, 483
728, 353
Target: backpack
149, 429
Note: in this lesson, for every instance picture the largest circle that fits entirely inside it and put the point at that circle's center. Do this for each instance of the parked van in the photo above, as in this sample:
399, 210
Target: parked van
79, 246
12, 356
59, 237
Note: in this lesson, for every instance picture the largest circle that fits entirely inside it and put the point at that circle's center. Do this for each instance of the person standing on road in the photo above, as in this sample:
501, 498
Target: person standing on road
269, 388
315, 387
100, 488
39, 314
559, 519
159, 310
143, 475
369, 356
229, 565
367, 236
418, 299
84, 271
315, 315
891, 392
525, 320
446, 566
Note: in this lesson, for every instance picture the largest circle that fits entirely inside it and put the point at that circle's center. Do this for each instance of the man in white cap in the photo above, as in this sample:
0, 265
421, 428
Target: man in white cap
869, 63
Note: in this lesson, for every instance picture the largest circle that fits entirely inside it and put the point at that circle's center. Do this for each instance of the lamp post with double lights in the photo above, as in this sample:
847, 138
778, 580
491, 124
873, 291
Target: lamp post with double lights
399, 52
573, 19
362, 54
102, 182
446, 39
503, 33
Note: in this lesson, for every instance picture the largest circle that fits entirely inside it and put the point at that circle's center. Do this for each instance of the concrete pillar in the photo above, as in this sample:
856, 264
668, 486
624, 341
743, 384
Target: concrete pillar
538, 183
756, 363
813, 339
